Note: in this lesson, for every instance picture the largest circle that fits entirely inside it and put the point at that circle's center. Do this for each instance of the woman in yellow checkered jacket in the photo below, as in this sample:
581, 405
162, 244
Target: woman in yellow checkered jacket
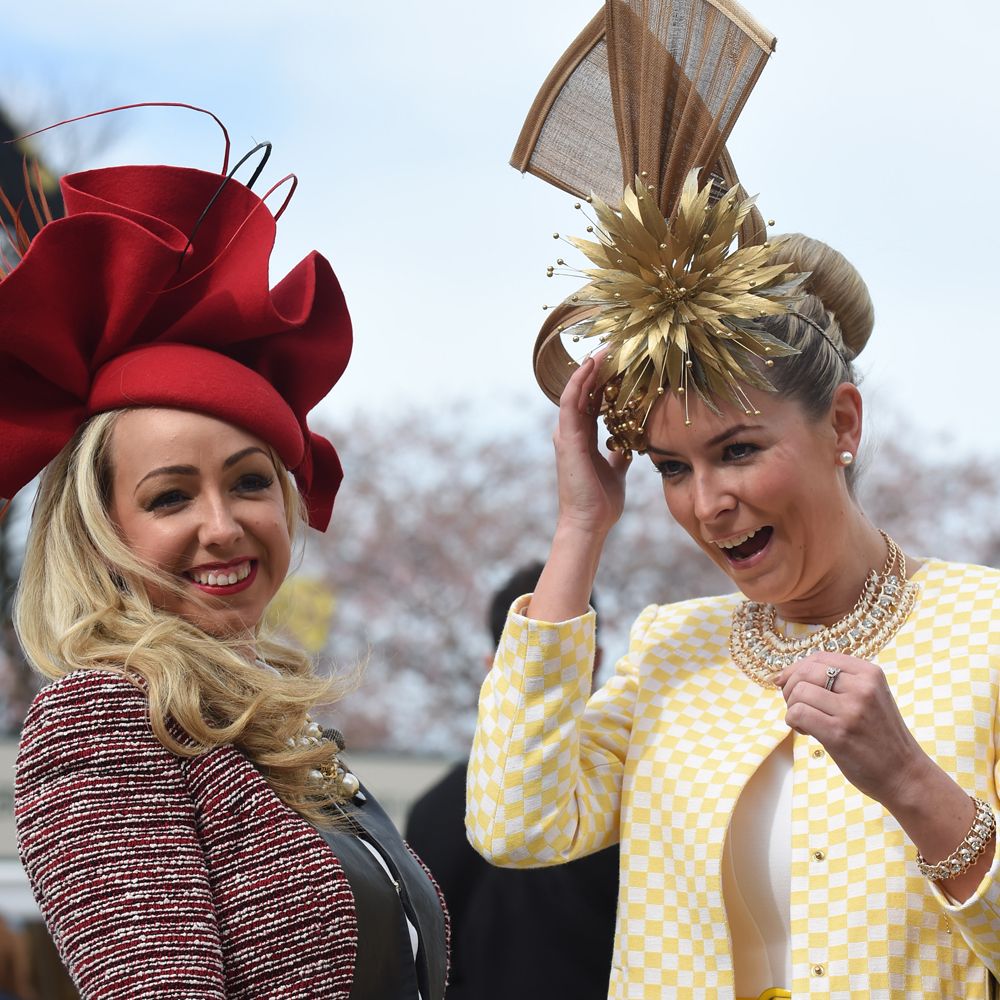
802, 776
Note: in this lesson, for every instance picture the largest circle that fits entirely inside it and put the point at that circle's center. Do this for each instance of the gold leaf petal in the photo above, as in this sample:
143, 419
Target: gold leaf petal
669, 292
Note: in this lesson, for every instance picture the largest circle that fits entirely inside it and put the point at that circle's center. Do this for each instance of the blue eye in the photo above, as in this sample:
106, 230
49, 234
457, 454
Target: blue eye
252, 482
170, 498
739, 450
670, 469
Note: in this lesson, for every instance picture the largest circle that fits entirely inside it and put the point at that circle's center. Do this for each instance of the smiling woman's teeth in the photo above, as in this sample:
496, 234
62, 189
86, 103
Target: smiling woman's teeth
222, 577
731, 543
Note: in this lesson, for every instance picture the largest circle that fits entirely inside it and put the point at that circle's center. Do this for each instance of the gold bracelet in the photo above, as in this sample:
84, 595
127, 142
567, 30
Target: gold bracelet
968, 852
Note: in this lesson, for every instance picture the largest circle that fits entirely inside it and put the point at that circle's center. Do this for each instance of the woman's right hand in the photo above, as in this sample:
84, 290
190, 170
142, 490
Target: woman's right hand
591, 499
591, 487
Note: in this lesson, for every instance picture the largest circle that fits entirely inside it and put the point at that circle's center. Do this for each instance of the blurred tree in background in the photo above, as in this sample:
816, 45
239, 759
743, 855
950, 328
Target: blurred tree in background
439, 507
437, 510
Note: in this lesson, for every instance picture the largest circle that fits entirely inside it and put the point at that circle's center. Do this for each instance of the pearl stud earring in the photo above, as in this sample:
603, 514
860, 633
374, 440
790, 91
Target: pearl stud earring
846, 458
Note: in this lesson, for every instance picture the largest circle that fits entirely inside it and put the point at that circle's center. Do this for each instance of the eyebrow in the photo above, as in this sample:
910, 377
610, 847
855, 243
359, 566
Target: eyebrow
233, 459
718, 439
190, 470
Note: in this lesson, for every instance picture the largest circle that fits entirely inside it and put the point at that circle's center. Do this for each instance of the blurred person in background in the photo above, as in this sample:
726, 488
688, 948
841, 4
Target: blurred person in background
15, 965
541, 933
187, 829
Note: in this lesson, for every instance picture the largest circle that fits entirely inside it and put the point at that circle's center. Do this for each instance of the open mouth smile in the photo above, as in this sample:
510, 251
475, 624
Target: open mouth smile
224, 578
740, 549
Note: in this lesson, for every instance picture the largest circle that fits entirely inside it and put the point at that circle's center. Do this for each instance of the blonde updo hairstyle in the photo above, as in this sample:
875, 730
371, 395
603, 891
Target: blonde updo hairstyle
837, 302
82, 604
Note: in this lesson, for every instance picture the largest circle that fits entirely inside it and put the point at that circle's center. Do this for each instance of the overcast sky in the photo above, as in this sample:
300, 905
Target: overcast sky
875, 135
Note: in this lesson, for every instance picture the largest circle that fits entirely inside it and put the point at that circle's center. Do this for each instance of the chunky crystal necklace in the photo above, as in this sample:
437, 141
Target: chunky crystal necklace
760, 651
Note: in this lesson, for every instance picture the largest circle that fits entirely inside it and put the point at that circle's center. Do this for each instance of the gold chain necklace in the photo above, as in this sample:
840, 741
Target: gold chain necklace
760, 651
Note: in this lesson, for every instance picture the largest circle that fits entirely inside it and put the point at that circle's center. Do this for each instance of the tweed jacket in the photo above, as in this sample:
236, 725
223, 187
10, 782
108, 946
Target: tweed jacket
660, 754
170, 877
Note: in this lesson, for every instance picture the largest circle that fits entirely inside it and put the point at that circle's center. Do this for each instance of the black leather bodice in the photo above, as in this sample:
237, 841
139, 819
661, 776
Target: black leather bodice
385, 967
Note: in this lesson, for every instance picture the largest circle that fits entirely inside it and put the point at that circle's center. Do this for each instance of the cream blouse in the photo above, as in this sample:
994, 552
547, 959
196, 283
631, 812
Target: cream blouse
757, 877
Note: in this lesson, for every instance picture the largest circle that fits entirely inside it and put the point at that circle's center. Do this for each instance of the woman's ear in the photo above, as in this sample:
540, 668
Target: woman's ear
846, 418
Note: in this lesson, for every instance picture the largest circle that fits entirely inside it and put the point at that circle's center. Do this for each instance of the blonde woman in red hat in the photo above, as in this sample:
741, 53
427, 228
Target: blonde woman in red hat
187, 829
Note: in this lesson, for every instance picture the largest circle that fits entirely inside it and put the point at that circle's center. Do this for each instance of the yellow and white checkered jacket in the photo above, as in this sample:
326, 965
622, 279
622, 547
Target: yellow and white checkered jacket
659, 755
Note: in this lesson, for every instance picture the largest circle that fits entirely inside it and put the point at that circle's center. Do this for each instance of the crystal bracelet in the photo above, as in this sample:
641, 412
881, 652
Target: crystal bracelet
968, 852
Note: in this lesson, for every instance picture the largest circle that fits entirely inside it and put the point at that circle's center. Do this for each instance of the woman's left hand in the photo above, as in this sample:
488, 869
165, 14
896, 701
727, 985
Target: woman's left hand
857, 721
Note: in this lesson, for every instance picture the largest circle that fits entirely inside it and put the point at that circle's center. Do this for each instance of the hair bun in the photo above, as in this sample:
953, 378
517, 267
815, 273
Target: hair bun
835, 281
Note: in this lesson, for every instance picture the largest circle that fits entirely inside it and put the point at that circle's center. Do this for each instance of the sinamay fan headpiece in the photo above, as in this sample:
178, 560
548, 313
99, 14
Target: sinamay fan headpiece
645, 98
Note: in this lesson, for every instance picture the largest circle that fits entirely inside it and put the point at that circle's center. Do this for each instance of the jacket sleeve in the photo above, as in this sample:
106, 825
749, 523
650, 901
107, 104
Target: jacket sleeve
107, 834
978, 918
546, 771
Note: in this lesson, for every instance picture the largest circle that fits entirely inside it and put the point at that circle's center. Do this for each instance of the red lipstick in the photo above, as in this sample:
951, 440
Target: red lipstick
229, 588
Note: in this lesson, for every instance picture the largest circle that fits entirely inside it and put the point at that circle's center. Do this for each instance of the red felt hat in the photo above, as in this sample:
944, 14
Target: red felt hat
111, 307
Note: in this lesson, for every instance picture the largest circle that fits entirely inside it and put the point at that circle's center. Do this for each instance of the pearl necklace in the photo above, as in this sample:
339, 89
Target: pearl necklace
761, 652
333, 777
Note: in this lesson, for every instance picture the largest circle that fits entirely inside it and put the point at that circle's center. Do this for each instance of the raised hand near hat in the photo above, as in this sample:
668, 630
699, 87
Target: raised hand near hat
591, 499
591, 487
859, 724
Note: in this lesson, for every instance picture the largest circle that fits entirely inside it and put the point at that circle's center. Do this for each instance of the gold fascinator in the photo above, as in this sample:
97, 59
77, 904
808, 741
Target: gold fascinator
644, 99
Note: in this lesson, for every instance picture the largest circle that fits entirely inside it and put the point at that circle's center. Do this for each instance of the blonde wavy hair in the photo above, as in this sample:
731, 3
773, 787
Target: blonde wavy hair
82, 604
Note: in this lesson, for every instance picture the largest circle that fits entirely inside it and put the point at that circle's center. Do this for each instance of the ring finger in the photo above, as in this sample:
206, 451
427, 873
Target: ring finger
816, 673
832, 673
815, 693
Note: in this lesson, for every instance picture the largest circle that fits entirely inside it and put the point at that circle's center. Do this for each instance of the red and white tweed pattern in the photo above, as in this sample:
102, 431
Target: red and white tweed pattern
166, 877
660, 755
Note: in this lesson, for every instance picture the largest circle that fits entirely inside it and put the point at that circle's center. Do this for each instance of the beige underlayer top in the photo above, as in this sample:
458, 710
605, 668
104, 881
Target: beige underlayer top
757, 877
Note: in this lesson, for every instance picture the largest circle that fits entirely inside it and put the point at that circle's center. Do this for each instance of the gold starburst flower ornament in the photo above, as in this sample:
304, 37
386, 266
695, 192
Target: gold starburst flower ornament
676, 306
